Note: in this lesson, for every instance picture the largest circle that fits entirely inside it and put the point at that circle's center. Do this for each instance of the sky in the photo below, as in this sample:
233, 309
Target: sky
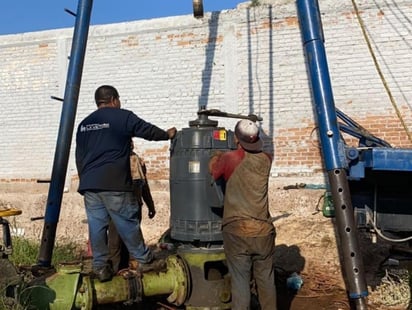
19, 16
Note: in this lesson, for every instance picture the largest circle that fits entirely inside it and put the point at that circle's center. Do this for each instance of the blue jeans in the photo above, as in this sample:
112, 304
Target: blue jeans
249, 257
122, 208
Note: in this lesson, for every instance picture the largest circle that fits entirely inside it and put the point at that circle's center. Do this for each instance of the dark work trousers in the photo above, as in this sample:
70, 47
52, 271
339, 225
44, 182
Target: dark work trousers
119, 255
138, 191
143, 194
247, 257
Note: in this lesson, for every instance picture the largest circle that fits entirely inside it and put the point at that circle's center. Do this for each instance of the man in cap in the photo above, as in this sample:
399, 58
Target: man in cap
248, 233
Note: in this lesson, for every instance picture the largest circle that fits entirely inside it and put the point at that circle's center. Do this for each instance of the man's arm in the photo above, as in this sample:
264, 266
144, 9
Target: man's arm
214, 168
142, 129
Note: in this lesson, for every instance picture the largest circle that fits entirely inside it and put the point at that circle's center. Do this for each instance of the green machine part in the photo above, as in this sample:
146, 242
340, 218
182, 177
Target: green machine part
92, 292
208, 273
56, 292
172, 281
68, 289
175, 281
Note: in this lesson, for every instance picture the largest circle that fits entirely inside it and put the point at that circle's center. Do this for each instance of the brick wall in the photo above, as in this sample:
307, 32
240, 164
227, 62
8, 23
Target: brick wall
239, 61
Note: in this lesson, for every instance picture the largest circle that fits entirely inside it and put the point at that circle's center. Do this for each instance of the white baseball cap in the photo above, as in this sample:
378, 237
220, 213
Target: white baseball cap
247, 132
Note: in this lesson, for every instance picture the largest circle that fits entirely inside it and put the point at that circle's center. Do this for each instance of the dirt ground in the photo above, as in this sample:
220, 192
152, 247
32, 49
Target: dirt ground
305, 242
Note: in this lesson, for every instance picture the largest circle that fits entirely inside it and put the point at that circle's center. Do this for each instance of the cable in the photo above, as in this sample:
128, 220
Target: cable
385, 84
371, 218
379, 232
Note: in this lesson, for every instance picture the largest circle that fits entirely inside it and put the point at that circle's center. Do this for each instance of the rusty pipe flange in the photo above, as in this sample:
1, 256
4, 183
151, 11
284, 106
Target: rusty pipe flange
182, 281
173, 281
198, 8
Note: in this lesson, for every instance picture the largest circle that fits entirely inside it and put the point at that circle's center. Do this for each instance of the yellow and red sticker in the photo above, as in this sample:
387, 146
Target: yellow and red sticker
219, 134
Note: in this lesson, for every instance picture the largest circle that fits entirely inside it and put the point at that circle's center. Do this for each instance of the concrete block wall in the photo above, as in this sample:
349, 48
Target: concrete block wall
248, 60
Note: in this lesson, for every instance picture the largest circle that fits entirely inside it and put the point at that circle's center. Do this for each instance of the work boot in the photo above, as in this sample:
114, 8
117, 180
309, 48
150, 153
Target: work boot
133, 264
145, 267
137, 266
104, 273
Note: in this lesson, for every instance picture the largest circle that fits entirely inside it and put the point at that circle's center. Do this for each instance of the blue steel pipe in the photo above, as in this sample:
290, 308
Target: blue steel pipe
332, 151
312, 35
64, 139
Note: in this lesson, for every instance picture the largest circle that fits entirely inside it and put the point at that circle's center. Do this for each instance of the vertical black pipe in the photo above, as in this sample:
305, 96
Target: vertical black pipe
64, 139
332, 150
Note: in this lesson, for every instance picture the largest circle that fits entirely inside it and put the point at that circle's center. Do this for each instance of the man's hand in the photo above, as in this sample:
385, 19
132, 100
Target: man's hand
152, 213
171, 132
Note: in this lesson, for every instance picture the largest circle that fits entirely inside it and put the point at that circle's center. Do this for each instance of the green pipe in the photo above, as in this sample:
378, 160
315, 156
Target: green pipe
114, 291
174, 281
68, 289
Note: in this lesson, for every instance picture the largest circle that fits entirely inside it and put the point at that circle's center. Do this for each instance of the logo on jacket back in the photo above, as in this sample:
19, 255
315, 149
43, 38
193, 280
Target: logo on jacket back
91, 127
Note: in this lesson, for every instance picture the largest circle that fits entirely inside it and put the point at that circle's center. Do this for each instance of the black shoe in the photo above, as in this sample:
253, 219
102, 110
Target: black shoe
104, 273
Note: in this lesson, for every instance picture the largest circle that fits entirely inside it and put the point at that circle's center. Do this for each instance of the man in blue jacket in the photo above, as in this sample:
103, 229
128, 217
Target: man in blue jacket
103, 165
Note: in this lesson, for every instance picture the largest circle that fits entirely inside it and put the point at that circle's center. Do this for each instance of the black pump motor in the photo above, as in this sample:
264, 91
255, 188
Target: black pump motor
196, 200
